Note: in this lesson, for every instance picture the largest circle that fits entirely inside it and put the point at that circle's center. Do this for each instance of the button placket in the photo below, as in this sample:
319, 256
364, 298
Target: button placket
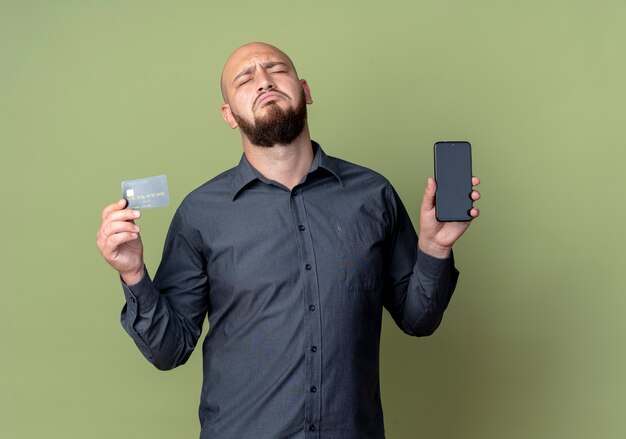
312, 323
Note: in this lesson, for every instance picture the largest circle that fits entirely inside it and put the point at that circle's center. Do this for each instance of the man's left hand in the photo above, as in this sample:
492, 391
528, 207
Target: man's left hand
437, 238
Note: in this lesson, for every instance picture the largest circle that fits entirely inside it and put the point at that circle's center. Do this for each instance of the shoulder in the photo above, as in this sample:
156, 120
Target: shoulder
367, 190
366, 182
210, 194
354, 174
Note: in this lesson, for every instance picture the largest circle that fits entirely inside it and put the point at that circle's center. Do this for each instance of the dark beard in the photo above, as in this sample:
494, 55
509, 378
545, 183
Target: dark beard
277, 127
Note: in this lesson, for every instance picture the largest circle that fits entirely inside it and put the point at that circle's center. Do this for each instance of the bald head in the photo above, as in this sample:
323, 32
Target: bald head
240, 59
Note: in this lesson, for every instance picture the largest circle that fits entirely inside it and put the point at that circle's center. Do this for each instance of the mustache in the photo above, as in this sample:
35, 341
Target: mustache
271, 91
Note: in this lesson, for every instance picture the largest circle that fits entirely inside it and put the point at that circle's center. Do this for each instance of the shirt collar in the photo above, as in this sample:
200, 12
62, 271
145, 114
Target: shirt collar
245, 173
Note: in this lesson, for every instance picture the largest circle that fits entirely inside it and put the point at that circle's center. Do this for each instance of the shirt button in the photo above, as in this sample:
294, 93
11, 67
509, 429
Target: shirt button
308, 266
313, 348
311, 307
301, 228
313, 389
311, 427
132, 299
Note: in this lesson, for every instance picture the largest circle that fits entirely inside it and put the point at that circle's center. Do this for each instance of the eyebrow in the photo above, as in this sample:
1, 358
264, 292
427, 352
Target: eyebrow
265, 65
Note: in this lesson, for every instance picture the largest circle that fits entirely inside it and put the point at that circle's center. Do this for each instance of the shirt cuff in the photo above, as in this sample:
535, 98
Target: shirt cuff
141, 296
432, 267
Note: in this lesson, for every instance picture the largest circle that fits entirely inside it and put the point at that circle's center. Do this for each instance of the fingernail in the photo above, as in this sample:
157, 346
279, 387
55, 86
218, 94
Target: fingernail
136, 214
137, 229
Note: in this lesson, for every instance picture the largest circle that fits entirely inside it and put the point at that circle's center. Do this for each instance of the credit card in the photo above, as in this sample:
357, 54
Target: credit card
145, 193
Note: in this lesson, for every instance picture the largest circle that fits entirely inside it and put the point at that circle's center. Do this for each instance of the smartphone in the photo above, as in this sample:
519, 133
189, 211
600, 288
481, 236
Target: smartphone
453, 174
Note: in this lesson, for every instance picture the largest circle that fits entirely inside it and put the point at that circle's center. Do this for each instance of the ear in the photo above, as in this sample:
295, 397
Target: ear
307, 91
227, 114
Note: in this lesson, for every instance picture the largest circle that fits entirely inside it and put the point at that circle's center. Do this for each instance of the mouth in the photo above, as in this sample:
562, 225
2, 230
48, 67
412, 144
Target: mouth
267, 97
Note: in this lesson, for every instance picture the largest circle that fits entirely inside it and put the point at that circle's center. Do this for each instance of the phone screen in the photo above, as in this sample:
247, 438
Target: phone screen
453, 174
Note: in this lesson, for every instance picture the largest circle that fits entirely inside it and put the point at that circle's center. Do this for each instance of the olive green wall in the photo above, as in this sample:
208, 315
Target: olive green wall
94, 92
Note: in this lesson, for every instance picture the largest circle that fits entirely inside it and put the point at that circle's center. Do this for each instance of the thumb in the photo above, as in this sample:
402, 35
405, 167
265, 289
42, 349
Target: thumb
428, 202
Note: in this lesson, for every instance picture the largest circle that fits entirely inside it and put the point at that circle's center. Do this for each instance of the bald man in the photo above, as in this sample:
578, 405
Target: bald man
292, 255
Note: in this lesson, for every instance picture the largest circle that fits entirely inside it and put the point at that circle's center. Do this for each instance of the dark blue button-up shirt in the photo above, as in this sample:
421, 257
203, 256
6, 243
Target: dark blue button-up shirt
294, 284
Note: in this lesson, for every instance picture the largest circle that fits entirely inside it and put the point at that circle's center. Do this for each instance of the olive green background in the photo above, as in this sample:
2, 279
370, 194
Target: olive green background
95, 92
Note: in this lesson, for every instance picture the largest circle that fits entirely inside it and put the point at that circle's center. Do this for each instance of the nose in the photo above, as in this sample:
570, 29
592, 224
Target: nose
265, 82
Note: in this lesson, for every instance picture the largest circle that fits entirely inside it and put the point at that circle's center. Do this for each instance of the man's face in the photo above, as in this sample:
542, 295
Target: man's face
264, 96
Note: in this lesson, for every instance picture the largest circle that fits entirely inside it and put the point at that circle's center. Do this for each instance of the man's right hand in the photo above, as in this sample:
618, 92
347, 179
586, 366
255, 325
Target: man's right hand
119, 241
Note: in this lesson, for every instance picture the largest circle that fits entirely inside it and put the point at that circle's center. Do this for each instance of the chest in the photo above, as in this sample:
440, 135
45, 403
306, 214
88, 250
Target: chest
272, 242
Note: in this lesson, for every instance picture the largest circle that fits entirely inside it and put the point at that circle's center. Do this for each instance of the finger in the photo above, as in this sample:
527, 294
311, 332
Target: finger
475, 212
475, 195
117, 227
428, 201
114, 241
123, 215
475, 181
118, 205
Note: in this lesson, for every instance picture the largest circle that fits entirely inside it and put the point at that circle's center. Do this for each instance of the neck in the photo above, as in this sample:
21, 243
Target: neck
286, 164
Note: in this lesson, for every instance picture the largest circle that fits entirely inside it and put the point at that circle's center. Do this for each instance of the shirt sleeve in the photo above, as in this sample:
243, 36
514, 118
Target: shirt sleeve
164, 317
418, 287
